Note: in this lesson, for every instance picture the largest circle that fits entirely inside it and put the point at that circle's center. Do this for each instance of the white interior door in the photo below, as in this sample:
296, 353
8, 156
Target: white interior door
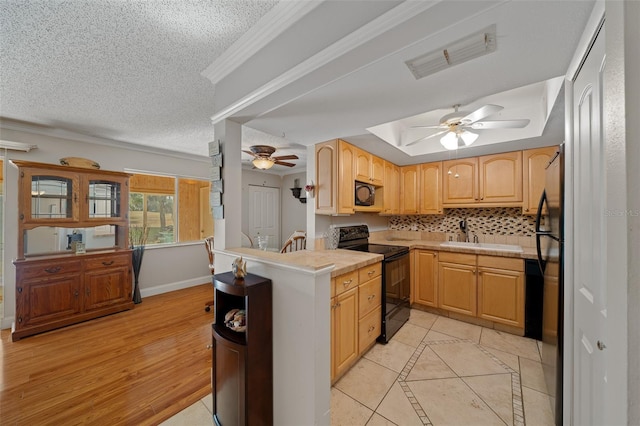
264, 215
589, 241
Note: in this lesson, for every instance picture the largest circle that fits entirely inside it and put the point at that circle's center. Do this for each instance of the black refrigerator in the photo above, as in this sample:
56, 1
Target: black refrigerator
550, 245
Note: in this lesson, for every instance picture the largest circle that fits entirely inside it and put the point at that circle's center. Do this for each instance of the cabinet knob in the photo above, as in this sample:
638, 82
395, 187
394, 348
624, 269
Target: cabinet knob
20, 319
76, 293
346, 283
19, 289
209, 346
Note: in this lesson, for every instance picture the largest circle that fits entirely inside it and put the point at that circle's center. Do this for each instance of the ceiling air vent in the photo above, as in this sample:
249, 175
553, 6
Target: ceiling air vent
475, 45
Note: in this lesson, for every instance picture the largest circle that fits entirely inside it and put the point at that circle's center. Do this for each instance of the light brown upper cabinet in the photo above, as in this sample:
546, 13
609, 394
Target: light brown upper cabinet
490, 180
460, 181
409, 181
431, 188
534, 163
391, 194
335, 177
369, 168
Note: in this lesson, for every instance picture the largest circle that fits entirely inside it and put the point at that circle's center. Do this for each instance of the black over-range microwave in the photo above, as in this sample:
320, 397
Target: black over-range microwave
365, 194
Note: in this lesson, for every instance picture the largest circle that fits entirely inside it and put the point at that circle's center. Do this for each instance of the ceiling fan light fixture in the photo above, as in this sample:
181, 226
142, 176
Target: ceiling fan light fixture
468, 137
470, 47
263, 163
450, 141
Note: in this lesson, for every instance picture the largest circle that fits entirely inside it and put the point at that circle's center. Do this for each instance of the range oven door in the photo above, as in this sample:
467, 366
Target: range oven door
397, 285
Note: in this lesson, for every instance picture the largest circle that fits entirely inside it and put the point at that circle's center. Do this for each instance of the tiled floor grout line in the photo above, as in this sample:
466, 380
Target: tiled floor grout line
516, 387
407, 390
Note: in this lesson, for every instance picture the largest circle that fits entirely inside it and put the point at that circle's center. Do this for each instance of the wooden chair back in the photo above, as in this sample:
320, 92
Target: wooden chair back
297, 241
208, 243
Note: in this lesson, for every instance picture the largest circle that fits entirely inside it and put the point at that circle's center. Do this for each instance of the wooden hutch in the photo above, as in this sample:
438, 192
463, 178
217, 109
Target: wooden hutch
73, 261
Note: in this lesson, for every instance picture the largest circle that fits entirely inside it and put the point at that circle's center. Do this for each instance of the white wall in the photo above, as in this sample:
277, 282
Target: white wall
293, 212
163, 268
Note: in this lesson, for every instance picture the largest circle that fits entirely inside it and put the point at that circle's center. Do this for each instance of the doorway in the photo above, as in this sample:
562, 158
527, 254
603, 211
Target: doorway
264, 216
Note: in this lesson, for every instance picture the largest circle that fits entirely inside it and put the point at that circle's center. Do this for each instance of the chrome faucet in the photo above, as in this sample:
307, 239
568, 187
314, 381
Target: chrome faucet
475, 238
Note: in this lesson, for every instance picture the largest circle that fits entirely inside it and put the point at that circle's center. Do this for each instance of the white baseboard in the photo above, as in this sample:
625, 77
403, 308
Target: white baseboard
179, 285
7, 322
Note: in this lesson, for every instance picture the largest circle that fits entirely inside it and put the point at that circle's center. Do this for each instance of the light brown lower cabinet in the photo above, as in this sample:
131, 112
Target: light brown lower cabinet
425, 278
355, 316
487, 287
344, 331
457, 287
501, 290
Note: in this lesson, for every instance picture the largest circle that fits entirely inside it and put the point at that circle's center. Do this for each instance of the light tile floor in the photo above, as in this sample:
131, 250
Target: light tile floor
434, 371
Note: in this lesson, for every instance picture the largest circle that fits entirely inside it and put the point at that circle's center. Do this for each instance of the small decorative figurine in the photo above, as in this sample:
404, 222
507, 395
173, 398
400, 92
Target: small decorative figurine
239, 268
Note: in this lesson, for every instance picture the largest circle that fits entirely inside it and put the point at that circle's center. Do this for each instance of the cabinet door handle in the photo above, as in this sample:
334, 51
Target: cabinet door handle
19, 289
371, 297
76, 293
371, 329
346, 283
53, 269
109, 263
371, 272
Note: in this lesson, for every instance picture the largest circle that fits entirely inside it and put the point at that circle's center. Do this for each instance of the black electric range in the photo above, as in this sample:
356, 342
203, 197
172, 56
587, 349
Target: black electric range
395, 277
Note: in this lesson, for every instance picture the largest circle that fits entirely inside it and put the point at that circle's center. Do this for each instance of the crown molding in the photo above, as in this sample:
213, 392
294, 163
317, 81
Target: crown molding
270, 26
364, 34
39, 129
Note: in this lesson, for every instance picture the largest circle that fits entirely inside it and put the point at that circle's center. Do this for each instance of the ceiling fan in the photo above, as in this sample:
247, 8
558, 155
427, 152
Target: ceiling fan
263, 160
455, 126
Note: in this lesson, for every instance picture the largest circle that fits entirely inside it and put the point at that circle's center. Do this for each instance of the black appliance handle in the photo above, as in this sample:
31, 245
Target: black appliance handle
539, 233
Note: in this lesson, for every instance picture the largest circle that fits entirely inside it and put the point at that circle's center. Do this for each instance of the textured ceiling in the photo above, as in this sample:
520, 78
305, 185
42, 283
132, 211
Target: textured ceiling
155, 72
124, 70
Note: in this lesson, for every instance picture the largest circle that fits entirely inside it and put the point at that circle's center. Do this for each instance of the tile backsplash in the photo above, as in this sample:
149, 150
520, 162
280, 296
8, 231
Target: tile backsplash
483, 221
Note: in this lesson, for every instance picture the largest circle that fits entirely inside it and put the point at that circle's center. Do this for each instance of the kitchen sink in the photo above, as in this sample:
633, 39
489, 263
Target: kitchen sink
483, 246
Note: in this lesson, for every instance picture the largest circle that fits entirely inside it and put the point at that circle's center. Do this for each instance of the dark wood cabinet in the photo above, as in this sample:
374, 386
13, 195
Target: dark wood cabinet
242, 374
73, 261
54, 292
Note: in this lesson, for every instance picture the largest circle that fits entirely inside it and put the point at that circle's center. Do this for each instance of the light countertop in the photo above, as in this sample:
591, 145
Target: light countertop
527, 252
344, 260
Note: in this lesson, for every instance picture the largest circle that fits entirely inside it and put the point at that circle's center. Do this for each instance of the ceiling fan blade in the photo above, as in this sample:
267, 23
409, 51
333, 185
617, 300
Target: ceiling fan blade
481, 113
439, 126
286, 157
284, 163
249, 152
500, 124
427, 137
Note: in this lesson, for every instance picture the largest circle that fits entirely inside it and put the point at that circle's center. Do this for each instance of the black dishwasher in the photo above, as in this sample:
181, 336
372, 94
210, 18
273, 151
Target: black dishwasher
534, 284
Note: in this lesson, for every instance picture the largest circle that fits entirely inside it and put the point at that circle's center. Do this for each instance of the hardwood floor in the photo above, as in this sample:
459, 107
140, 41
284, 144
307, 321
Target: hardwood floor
136, 367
